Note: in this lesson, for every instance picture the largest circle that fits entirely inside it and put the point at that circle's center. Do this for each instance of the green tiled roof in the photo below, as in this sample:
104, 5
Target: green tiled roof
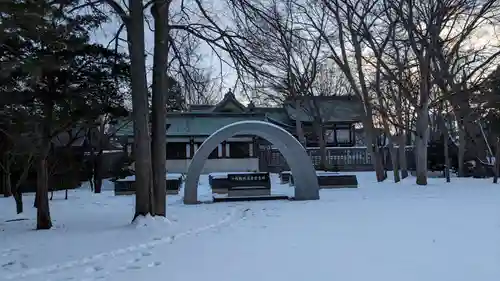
340, 109
203, 126
194, 124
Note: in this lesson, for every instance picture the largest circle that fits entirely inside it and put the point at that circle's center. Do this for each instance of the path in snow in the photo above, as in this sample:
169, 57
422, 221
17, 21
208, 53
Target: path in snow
104, 263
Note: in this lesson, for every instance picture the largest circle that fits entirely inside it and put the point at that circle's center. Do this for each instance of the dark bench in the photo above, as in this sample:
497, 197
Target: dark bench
285, 177
337, 181
219, 183
249, 184
318, 173
173, 184
126, 186
332, 180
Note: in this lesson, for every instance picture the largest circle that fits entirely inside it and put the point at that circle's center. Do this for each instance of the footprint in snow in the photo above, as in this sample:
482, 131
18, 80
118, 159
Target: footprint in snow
8, 252
154, 264
133, 267
8, 264
134, 260
94, 269
129, 267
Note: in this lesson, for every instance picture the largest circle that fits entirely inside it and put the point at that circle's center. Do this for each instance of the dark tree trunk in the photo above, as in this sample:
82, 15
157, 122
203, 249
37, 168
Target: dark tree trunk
395, 161
403, 163
298, 125
446, 156
461, 151
324, 165
7, 192
159, 10
42, 190
98, 172
43, 212
6, 179
421, 141
18, 197
374, 150
140, 110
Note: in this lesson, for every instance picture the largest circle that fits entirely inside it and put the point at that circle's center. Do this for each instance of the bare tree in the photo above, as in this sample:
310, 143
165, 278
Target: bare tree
461, 63
281, 56
132, 18
290, 61
205, 89
331, 81
339, 23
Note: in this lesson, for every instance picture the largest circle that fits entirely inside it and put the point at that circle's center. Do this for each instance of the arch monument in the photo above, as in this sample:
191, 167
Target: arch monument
305, 179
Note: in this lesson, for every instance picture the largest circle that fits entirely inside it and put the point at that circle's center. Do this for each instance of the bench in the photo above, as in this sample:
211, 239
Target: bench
318, 173
285, 177
173, 184
328, 180
249, 184
126, 186
219, 183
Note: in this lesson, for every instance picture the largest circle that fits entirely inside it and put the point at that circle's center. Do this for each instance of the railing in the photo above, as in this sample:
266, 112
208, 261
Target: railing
355, 158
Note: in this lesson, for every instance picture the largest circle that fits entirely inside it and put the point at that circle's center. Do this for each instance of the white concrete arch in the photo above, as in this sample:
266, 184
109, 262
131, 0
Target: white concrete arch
304, 174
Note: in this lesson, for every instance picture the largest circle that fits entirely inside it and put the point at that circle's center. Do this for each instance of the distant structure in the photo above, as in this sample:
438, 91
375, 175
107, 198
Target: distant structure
187, 130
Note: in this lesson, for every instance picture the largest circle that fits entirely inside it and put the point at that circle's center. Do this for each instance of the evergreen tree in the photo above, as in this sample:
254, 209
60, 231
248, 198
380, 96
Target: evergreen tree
52, 71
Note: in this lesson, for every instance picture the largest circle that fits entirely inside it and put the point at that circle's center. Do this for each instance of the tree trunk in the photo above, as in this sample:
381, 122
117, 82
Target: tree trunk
394, 159
446, 154
374, 150
159, 10
43, 220
461, 151
403, 163
323, 164
18, 197
98, 172
7, 183
467, 122
421, 140
298, 125
322, 150
140, 110
42, 190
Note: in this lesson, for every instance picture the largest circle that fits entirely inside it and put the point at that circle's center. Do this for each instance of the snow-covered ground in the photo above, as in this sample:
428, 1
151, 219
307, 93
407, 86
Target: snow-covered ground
380, 231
